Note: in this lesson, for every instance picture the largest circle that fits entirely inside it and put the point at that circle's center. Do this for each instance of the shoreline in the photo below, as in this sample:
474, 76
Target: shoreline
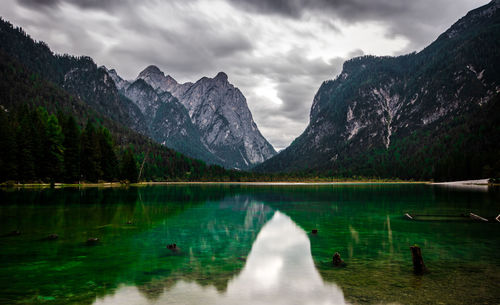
464, 183
152, 183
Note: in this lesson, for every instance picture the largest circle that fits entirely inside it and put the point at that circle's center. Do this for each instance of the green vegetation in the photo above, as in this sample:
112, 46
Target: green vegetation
467, 147
49, 135
41, 150
427, 115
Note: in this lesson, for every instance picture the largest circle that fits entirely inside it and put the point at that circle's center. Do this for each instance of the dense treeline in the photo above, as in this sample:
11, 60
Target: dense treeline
24, 91
468, 147
36, 146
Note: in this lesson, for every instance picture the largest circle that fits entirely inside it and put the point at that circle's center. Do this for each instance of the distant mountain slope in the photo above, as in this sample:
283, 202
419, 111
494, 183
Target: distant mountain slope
79, 76
379, 101
168, 121
220, 127
221, 113
20, 86
105, 92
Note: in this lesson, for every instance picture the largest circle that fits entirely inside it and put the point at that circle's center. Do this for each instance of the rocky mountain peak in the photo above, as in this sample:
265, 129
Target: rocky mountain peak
163, 83
120, 83
209, 119
221, 113
149, 71
170, 80
221, 76
474, 17
384, 105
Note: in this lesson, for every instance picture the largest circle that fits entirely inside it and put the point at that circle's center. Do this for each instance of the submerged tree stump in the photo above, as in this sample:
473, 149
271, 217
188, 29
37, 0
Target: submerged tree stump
173, 248
52, 237
337, 261
418, 261
92, 241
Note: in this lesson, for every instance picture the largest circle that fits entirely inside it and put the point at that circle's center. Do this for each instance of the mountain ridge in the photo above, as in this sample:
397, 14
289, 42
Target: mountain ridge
376, 100
218, 110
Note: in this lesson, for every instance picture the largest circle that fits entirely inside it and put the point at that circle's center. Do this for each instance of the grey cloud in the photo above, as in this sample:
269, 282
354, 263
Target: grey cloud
420, 21
94, 4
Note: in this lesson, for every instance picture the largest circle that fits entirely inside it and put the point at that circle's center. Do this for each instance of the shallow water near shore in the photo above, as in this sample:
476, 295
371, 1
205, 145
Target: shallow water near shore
247, 244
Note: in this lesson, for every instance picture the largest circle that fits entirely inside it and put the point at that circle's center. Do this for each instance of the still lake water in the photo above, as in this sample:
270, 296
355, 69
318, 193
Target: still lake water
247, 244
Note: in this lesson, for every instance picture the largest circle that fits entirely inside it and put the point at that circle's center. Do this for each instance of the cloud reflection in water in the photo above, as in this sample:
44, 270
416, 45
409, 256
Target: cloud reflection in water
279, 270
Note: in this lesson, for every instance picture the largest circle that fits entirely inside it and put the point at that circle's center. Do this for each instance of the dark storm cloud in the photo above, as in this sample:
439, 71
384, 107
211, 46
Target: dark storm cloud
96, 4
416, 20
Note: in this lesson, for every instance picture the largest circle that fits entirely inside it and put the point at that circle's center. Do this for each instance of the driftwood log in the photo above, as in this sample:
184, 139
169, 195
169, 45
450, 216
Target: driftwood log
477, 217
408, 216
418, 261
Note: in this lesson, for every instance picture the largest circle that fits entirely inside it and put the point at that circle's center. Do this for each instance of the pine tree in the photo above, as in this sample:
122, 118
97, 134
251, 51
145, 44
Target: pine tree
24, 156
71, 150
90, 154
109, 162
129, 166
54, 149
7, 148
40, 143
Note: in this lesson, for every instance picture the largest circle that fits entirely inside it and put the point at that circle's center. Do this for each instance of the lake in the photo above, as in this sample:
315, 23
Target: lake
248, 244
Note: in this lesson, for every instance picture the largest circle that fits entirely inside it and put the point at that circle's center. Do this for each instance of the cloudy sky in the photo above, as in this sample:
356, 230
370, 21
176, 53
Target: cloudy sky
278, 52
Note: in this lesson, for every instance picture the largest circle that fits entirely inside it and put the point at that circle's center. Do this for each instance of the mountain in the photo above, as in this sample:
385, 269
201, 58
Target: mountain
161, 82
168, 121
221, 113
383, 116
34, 81
78, 76
120, 100
219, 125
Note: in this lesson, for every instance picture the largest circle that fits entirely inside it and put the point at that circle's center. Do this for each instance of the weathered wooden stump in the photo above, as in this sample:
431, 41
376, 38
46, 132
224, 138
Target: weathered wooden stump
337, 261
14, 233
92, 241
418, 261
52, 237
173, 247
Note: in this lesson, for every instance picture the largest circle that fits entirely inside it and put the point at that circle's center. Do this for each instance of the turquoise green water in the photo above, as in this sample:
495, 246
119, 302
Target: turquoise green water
247, 244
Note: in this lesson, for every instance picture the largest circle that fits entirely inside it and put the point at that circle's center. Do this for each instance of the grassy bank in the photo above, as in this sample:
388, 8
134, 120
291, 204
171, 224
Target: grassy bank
149, 183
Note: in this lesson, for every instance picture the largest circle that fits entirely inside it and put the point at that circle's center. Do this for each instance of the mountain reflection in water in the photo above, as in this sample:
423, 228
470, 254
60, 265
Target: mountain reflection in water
279, 270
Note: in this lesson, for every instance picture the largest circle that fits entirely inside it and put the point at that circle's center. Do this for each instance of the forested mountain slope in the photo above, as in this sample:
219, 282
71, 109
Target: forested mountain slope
412, 116
35, 109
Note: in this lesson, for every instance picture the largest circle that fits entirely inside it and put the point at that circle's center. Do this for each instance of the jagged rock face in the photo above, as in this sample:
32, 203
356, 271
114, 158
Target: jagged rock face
144, 97
163, 83
120, 83
220, 113
96, 87
377, 99
168, 121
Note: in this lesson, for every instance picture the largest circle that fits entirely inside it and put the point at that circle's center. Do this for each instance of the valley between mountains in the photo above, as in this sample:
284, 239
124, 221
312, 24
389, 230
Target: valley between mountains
432, 114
